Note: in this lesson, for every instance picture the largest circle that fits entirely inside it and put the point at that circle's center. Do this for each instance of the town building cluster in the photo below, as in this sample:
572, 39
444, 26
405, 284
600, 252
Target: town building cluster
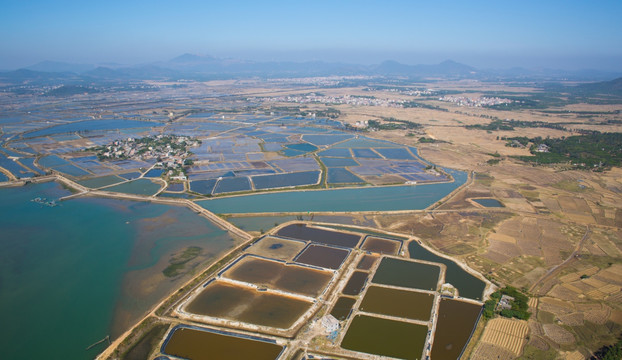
171, 151
476, 102
336, 100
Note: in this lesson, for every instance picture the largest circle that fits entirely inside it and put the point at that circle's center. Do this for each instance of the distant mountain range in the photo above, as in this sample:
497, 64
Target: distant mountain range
189, 66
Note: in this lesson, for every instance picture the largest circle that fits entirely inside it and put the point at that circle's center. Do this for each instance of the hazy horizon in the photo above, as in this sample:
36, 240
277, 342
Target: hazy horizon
567, 35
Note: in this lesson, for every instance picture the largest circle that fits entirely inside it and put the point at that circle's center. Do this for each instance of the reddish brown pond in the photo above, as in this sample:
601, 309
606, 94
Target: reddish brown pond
381, 246
278, 275
248, 305
323, 256
206, 345
366, 262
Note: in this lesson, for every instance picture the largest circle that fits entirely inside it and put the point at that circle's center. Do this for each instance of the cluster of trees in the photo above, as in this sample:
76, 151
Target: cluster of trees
392, 124
613, 352
509, 125
594, 150
414, 104
519, 305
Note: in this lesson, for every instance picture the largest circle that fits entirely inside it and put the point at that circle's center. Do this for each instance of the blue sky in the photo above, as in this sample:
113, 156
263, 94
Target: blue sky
562, 34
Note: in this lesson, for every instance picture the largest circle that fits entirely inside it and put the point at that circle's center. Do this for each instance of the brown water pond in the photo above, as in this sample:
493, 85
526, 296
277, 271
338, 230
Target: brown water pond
248, 305
323, 256
342, 307
197, 344
407, 274
400, 303
381, 246
366, 262
456, 321
385, 337
356, 283
278, 275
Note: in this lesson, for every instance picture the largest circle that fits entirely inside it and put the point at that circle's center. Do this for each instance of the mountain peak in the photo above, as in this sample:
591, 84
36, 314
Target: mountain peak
187, 57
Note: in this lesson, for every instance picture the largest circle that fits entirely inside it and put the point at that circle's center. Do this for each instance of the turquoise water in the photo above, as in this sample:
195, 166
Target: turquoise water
74, 273
356, 199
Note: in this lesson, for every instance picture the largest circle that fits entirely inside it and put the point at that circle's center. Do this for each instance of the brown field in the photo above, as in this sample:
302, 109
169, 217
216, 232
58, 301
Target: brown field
558, 334
485, 351
506, 334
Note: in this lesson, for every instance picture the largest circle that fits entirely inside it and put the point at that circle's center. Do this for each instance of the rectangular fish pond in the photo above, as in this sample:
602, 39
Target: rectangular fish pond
399, 303
323, 236
206, 344
323, 256
278, 275
366, 262
342, 307
276, 248
381, 246
355, 285
245, 304
385, 337
455, 324
407, 274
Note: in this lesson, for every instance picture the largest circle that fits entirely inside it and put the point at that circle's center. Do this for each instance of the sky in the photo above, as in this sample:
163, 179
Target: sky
566, 34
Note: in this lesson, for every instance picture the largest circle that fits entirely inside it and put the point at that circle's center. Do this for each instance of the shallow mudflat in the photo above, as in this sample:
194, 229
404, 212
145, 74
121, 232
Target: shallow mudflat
385, 337
197, 344
400, 303
277, 275
248, 305
323, 256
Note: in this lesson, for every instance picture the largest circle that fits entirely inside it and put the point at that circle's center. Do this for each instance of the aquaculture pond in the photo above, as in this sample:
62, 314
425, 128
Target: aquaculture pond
386, 198
385, 337
203, 186
323, 236
137, 187
248, 305
276, 248
469, 286
381, 246
205, 344
286, 180
455, 324
98, 182
337, 175
407, 274
93, 125
488, 202
226, 185
399, 303
278, 275
323, 256
355, 285
342, 307
366, 262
